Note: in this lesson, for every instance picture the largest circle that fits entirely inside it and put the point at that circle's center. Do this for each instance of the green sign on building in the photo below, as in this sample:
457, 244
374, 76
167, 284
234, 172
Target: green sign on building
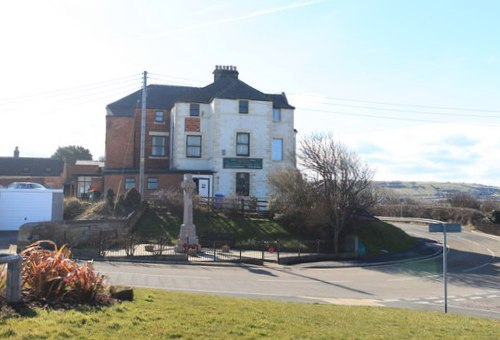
242, 163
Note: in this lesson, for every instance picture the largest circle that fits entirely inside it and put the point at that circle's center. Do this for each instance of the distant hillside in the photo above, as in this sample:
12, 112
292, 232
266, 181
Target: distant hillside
438, 190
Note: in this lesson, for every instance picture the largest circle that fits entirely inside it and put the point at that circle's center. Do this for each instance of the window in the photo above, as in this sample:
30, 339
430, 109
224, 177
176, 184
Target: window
83, 185
276, 115
159, 117
153, 183
129, 183
242, 184
158, 146
242, 144
277, 149
193, 146
243, 106
194, 110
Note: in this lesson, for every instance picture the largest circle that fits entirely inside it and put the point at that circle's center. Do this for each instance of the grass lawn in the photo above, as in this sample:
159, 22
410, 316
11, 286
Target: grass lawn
378, 235
242, 228
167, 315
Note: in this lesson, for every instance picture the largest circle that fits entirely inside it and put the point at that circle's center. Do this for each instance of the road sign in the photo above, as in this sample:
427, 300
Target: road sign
450, 227
445, 228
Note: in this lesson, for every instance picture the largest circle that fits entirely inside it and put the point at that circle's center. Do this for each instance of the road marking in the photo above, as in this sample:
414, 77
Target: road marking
459, 299
475, 297
493, 296
404, 279
431, 298
391, 300
482, 265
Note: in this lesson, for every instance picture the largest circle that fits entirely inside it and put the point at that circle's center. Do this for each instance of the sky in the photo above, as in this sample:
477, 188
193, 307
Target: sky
412, 87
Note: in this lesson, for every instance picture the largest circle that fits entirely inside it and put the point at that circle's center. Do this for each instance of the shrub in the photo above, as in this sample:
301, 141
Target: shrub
74, 207
50, 275
171, 199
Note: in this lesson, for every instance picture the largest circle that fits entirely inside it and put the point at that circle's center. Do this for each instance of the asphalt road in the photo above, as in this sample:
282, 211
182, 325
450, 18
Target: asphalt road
473, 278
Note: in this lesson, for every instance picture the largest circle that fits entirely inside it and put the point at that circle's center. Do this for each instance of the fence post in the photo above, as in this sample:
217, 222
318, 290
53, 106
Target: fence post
263, 250
14, 279
240, 252
215, 259
278, 250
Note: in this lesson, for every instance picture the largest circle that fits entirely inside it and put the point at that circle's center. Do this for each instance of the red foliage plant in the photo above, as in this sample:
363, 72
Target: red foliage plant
50, 275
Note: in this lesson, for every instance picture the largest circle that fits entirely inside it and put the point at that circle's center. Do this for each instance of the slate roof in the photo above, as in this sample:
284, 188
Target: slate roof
164, 97
27, 166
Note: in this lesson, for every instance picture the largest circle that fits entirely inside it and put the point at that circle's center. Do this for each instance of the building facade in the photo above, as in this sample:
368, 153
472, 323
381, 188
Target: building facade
229, 135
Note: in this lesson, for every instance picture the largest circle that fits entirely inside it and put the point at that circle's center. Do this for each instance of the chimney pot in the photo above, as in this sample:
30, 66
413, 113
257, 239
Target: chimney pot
225, 71
16, 152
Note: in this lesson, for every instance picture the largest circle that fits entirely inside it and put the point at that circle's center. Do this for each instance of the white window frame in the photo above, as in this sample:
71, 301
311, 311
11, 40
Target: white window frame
239, 144
192, 147
159, 117
158, 149
153, 183
277, 149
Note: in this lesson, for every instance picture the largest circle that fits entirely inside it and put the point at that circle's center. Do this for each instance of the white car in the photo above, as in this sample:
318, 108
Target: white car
26, 185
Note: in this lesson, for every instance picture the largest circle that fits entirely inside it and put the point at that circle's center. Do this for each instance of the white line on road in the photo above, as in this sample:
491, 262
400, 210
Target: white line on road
301, 281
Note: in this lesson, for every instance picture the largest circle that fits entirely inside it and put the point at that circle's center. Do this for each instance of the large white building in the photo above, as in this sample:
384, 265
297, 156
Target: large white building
229, 135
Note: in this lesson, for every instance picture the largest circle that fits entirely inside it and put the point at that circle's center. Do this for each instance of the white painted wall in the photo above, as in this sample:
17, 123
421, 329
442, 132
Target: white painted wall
220, 122
20, 206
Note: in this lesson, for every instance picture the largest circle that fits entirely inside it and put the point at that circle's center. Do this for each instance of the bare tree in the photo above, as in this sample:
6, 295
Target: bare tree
291, 192
342, 182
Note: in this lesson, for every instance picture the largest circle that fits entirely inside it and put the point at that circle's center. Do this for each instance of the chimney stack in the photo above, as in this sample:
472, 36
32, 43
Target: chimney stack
225, 71
16, 152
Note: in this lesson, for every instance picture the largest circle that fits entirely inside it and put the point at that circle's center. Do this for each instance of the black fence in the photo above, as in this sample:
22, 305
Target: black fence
137, 248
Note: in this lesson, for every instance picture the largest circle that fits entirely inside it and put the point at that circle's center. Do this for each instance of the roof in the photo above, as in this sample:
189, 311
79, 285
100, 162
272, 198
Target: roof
27, 166
164, 97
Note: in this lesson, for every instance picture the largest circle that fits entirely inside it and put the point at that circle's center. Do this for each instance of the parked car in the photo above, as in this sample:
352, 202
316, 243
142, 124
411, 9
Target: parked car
25, 185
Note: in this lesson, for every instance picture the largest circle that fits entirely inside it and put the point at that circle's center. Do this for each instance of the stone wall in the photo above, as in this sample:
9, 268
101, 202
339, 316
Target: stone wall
80, 233
73, 233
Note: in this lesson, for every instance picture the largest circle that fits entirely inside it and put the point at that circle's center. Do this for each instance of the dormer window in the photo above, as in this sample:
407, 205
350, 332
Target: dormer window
159, 117
194, 110
243, 106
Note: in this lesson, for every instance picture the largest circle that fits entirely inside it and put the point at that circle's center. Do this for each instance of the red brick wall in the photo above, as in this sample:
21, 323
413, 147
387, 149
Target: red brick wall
123, 140
119, 142
117, 182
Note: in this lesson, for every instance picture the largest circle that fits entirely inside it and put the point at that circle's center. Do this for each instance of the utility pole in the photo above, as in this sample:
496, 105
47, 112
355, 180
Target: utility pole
143, 133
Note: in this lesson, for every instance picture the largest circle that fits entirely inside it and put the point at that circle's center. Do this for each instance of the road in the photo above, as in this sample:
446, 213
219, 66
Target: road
473, 279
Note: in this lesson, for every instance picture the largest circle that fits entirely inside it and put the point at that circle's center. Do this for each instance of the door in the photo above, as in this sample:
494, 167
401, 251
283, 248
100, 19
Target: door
203, 186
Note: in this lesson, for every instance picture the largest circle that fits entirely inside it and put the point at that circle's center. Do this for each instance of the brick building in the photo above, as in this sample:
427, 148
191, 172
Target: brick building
229, 135
45, 171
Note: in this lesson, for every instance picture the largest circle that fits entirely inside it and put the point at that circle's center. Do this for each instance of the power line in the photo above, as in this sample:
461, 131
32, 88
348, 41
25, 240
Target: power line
410, 105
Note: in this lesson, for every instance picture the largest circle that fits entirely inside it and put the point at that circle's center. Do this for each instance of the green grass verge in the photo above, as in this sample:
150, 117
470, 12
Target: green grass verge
166, 315
242, 228
378, 235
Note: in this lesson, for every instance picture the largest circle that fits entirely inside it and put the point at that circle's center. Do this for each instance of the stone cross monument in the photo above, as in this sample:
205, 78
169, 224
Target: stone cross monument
187, 235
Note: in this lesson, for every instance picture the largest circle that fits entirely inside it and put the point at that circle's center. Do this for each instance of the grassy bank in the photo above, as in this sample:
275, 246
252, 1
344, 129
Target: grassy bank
158, 314
240, 227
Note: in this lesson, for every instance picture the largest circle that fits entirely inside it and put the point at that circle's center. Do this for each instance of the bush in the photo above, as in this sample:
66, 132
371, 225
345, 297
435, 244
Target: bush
50, 275
74, 207
170, 199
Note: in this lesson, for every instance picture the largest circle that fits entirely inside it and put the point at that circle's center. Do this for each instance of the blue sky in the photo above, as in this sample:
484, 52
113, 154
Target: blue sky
411, 86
